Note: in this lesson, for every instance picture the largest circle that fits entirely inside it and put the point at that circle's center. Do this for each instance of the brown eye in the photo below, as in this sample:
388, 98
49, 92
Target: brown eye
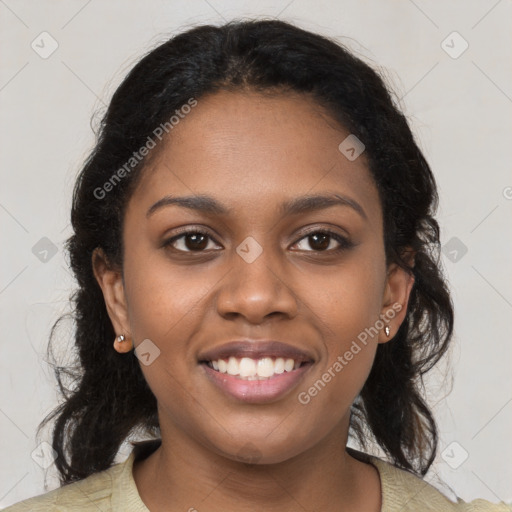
319, 241
196, 241
325, 241
190, 241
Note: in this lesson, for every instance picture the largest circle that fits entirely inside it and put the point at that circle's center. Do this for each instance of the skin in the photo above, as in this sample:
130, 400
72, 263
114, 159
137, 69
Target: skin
252, 152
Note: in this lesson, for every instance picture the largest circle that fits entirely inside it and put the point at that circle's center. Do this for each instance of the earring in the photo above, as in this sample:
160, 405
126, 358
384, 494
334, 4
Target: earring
122, 344
386, 330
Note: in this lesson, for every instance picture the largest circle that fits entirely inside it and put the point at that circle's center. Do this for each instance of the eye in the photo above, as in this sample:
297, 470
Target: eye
322, 241
194, 240
197, 240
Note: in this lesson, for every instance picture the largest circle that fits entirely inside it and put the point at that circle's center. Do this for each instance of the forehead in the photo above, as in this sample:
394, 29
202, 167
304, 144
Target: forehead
253, 150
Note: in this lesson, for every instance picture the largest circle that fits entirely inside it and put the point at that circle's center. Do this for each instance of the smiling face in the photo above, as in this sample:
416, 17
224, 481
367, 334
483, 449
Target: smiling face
262, 267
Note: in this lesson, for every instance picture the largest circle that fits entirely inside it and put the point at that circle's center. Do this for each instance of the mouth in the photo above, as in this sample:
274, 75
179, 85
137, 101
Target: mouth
255, 371
247, 368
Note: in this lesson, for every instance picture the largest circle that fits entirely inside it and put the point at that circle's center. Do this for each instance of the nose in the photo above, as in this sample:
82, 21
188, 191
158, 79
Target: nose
256, 290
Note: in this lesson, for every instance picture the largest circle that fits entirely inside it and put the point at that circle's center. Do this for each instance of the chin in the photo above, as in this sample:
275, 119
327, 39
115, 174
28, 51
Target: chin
261, 452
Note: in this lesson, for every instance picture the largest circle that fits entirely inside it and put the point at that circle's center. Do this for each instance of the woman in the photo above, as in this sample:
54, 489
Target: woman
254, 232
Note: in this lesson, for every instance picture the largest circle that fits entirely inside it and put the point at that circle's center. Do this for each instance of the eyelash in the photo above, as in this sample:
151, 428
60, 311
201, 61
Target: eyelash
345, 243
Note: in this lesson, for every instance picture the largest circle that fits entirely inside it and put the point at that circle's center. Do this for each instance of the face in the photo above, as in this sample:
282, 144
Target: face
245, 267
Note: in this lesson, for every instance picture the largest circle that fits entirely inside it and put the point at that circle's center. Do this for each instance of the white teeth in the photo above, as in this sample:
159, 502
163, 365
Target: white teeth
288, 365
265, 367
223, 366
233, 366
247, 367
279, 365
255, 369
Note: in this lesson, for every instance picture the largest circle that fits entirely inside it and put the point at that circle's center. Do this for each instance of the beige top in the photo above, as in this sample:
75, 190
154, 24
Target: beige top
114, 490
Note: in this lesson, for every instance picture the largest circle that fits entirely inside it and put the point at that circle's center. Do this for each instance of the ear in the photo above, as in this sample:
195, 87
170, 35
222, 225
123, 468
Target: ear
111, 283
399, 283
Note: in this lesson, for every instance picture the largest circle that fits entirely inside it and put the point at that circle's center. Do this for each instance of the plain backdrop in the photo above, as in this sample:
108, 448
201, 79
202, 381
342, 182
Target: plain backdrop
448, 63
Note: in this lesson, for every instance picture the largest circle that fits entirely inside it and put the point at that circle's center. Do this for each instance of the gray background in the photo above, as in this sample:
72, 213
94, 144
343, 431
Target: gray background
459, 106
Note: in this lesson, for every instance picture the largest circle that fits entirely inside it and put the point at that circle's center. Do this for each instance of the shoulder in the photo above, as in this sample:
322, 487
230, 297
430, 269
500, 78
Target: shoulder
110, 490
90, 494
405, 491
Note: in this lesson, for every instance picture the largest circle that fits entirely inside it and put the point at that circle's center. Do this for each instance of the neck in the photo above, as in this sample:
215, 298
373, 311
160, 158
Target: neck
183, 475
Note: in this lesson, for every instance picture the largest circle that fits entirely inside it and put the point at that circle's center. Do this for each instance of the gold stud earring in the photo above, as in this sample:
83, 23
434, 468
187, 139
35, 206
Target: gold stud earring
122, 344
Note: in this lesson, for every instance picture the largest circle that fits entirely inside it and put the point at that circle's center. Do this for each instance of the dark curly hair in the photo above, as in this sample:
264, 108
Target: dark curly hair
98, 414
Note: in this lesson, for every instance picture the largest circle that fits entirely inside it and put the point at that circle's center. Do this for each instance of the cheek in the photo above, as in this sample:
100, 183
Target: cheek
160, 299
163, 306
350, 299
348, 308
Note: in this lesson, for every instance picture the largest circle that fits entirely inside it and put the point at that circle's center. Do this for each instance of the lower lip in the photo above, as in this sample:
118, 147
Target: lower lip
257, 391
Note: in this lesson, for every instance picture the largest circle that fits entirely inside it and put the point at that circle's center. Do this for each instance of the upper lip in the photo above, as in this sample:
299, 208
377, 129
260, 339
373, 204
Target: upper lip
255, 349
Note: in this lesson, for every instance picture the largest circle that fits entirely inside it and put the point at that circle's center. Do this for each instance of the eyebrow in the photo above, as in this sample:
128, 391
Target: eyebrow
308, 203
